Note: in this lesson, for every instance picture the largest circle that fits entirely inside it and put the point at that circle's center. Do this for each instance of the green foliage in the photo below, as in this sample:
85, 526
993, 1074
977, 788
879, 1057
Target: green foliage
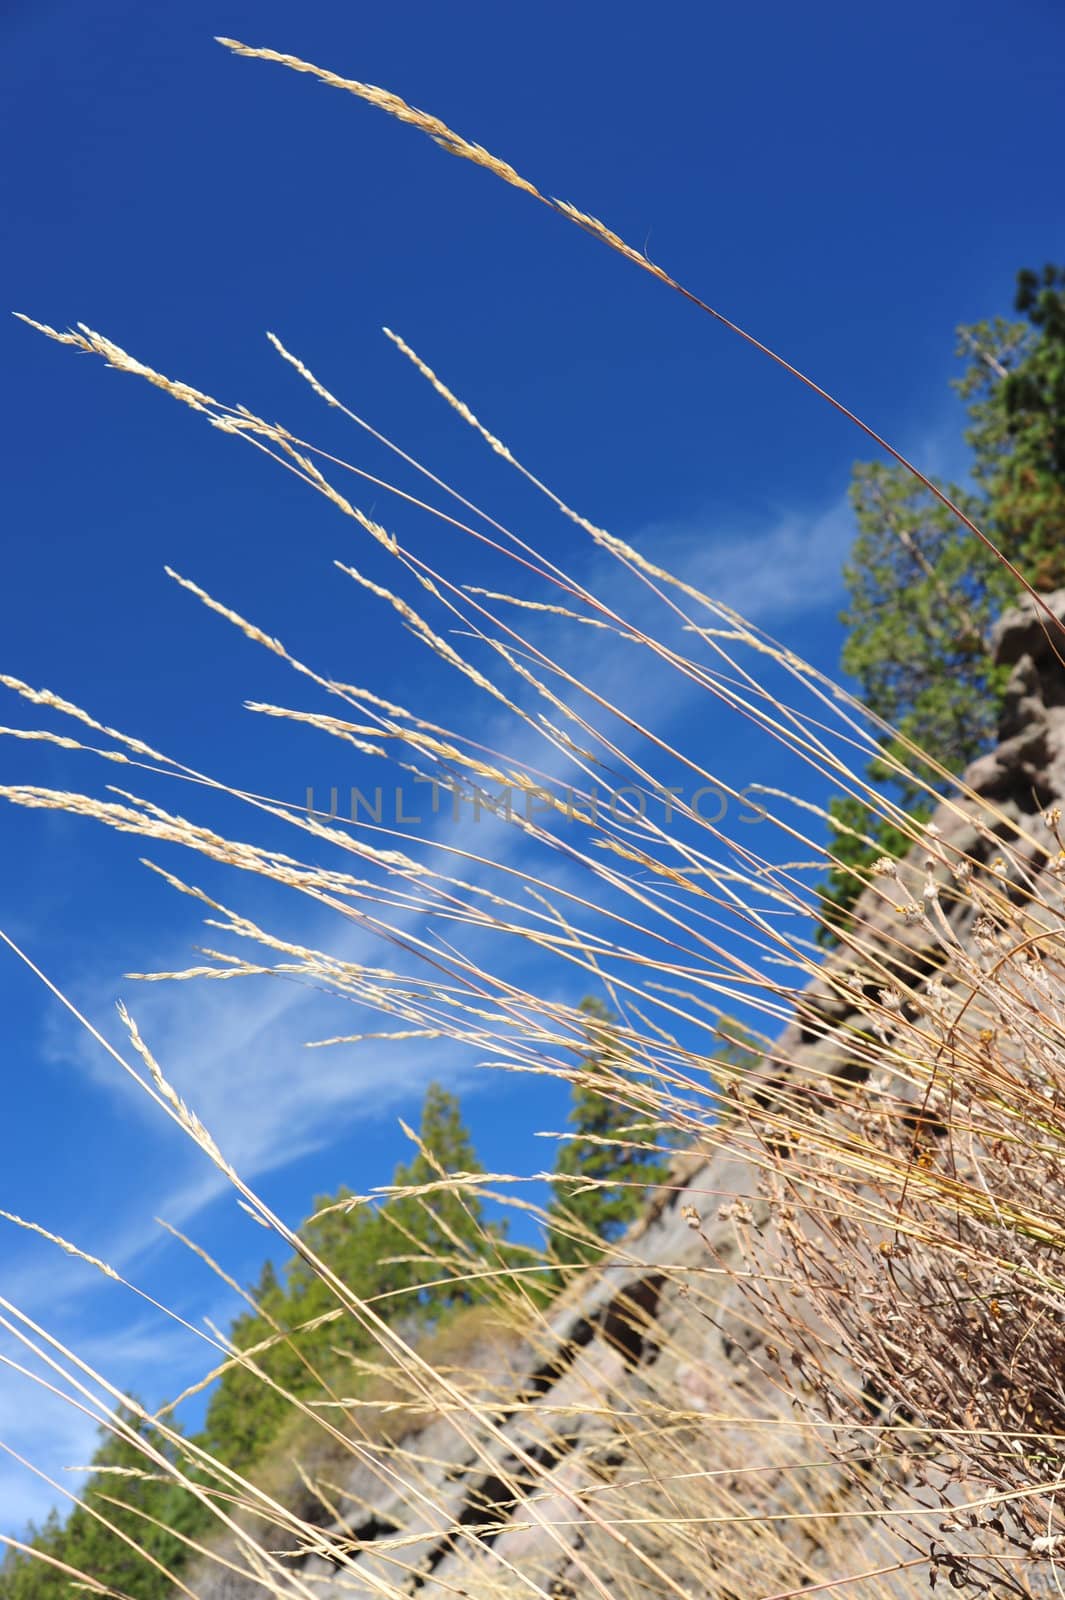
1015, 389
145, 1508
245, 1412
739, 1047
924, 593
858, 839
923, 597
447, 1229
413, 1257
609, 1149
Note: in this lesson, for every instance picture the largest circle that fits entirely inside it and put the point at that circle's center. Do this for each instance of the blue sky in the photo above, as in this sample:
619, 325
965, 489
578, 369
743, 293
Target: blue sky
848, 182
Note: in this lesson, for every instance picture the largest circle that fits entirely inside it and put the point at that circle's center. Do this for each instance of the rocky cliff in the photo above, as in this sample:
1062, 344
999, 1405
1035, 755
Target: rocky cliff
644, 1432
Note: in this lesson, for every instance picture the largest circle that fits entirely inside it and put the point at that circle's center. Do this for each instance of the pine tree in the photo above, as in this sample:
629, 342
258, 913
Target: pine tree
1015, 387
924, 594
447, 1230
22, 1577
412, 1257
605, 1169
245, 1412
141, 1502
739, 1047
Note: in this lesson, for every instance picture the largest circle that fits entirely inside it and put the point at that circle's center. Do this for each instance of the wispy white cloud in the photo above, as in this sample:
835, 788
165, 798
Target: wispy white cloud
236, 1050
57, 1437
790, 566
50, 1434
789, 562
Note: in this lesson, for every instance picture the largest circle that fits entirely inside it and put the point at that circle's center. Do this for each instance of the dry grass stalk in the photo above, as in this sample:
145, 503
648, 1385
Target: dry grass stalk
894, 1277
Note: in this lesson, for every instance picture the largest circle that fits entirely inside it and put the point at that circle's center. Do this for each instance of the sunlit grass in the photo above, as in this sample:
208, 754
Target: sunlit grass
886, 1247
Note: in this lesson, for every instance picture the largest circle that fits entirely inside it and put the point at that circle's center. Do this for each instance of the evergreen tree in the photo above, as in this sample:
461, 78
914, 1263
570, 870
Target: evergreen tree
347, 1237
739, 1047
1015, 389
23, 1577
609, 1150
245, 1412
390, 1254
858, 838
447, 1229
923, 597
374, 1250
924, 594
141, 1502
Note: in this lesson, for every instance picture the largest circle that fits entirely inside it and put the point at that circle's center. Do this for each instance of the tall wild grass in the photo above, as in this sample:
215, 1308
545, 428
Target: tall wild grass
891, 1251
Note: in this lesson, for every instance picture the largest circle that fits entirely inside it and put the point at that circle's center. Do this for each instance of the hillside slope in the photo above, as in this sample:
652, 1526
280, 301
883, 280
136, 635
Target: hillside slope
647, 1428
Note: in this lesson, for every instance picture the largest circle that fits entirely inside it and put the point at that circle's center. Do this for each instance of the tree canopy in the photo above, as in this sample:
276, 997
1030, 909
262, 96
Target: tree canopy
602, 1171
924, 593
150, 1516
411, 1256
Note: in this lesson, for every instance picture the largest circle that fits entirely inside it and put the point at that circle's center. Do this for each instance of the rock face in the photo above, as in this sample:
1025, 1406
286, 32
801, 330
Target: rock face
570, 1476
